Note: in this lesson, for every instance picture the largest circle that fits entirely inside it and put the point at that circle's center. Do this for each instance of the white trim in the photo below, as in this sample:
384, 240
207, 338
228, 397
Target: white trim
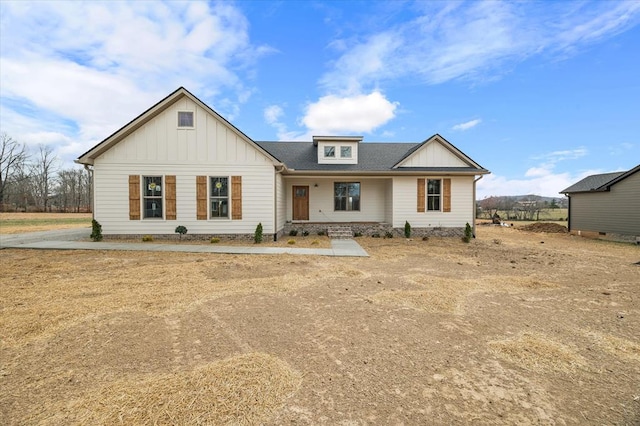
143, 197
193, 119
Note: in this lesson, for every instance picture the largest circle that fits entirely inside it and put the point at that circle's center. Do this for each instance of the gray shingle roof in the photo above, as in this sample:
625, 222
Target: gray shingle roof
372, 157
592, 183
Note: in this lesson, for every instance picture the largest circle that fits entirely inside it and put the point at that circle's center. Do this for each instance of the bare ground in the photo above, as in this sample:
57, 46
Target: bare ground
515, 327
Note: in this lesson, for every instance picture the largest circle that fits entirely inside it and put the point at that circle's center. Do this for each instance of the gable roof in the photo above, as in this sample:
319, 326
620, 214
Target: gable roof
89, 156
599, 182
374, 157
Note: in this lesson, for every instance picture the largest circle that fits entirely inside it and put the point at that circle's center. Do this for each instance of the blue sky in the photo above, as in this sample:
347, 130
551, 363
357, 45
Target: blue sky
540, 93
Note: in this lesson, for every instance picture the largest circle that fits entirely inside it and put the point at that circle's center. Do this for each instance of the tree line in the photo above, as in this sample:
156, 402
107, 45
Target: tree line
33, 180
516, 208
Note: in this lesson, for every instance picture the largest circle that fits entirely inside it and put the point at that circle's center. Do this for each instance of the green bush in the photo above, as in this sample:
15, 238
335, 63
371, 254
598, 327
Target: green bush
291, 241
321, 233
293, 232
147, 238
407, 229
181, 230
357, 234
96, 230
215, 240
468, 233
388, 234
257, 236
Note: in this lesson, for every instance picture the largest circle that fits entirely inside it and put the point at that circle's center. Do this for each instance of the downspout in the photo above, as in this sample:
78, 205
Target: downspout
89, 170
474, 205
279, 168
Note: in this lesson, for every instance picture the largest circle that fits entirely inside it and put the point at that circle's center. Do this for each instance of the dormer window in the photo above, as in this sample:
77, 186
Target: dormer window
329, 151
185, 119
345, 152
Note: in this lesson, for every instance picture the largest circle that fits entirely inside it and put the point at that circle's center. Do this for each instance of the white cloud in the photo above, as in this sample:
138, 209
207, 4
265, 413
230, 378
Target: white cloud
467, 125
450, 41
541, 179
96, 65
273, 113
359, 113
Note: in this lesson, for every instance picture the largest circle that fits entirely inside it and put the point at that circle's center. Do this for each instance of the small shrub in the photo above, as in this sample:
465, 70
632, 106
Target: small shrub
181, 230
305, 233
315, 242
425, 238
291, 241
147, 238
376, 235
407, 229
321, 233
468, 233
357, 234
293, 232
215, 240
388, 234
257, 236
96, 230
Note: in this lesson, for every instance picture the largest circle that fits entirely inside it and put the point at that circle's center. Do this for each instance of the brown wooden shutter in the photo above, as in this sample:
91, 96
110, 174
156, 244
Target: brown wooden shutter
236, 197
134, 197
421, 201
201, 197
446, 195
170, 196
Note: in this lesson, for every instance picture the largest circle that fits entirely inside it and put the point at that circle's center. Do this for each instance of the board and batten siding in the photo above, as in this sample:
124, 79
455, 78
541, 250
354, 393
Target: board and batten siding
616, 211
160, 141
433, 155
405, 195
321, 199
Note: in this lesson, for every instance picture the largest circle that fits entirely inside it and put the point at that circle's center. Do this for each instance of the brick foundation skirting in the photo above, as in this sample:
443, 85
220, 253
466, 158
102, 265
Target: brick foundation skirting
372, 229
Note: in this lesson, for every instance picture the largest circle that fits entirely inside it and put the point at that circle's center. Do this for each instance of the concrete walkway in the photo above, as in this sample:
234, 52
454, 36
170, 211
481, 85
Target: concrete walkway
68, 240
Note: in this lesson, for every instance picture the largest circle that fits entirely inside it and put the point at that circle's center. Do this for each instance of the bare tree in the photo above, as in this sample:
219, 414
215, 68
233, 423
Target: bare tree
43, 171
12, 158
73, 190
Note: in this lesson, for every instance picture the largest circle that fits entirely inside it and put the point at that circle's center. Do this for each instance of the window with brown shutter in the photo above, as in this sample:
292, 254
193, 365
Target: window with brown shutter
421, 191
236, 197
170, 196
201, 197
134, 197
446, 195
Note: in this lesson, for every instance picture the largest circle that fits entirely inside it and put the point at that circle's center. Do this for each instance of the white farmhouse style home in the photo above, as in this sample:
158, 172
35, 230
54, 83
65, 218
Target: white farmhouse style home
180, 163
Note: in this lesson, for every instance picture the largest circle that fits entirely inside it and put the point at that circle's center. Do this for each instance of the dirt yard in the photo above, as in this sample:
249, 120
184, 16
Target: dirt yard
516, 327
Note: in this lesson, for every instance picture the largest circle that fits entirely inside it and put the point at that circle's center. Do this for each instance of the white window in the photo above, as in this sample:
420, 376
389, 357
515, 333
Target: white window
345, 151
433, 194
152, 197
185, 119
219, 197
329, 151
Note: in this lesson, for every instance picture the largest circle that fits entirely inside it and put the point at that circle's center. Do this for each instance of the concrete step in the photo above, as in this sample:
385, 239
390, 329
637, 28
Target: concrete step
339, 232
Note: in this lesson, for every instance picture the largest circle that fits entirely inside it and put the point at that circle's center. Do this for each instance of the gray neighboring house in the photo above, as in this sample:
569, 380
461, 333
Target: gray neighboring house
606, 206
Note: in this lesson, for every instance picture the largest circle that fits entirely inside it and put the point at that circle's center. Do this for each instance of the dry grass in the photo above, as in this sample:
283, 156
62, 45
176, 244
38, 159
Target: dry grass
538, 353
104, 282
18, 223
443, 295
245, 389
617, 346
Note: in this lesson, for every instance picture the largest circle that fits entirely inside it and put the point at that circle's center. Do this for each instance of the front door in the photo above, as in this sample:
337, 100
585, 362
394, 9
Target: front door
300, 203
